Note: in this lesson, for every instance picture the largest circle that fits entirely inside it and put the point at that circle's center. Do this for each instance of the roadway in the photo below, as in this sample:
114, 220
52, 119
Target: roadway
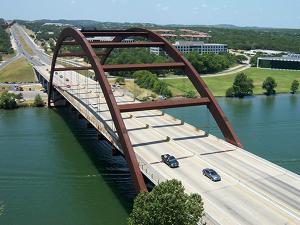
252, 190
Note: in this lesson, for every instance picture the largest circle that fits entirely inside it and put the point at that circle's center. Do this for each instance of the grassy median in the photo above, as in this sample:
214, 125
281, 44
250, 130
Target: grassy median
219, 84
26, 47
18, 71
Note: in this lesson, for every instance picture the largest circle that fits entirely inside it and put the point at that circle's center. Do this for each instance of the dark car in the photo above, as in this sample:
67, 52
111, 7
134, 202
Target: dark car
211, 174
170, 160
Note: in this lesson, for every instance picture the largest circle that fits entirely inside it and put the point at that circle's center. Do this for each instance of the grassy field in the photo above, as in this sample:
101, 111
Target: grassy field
18, 71
218, 85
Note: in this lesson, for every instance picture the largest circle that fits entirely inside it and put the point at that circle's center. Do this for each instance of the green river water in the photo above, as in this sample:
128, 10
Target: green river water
53, 170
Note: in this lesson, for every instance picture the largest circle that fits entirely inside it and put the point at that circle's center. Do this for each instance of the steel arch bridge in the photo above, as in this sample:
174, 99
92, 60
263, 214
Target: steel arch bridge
73, 37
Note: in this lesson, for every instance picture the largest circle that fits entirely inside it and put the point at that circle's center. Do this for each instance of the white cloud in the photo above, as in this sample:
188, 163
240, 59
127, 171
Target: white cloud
165, 8
162, 7
73, 2
203, 5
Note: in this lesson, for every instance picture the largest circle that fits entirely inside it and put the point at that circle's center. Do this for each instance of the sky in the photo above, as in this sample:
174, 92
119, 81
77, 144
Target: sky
261, 13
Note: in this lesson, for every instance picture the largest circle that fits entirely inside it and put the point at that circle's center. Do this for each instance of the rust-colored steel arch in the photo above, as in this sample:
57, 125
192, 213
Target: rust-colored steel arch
216, 111
110, 99
80, 38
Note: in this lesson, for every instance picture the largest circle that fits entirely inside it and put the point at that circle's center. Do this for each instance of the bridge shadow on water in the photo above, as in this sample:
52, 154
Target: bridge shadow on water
113, 169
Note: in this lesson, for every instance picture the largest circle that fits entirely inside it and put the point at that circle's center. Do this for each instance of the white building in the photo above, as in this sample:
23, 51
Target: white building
197, 46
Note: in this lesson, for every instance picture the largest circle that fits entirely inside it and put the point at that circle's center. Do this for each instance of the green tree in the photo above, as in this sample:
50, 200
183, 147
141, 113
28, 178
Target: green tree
8, 101
190, 94
269, 85
167, 204
242, 86
38, 101
120, 80
294, 86
230, 92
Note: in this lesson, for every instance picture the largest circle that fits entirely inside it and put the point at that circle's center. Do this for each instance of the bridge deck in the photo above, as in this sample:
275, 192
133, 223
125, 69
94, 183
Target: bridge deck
252, 190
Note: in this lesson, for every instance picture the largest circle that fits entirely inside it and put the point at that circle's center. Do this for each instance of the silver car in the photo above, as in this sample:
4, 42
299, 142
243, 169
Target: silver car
211, 174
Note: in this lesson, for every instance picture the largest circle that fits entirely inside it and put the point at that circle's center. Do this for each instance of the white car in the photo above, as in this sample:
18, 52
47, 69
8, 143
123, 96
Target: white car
94, 105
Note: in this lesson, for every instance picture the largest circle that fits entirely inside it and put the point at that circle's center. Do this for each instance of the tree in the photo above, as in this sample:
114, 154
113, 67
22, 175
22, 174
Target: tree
242, 86
230, 92
269, 85
8, 101
294, 86
190, 94
167, 204
120, 80
38, 101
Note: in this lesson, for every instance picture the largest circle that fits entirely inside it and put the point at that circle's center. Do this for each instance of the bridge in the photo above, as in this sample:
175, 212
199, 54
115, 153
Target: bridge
252, 190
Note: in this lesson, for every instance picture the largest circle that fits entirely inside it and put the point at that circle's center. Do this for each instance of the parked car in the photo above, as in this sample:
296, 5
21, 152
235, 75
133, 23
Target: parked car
170, 160
211, 174
68, 86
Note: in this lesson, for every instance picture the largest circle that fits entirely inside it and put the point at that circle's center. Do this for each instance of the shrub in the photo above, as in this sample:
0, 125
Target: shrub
269, 85
190, 94
8, 101
294, 86
38, 101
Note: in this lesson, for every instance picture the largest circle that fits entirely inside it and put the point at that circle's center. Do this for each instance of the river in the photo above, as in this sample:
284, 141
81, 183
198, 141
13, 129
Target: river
53, 170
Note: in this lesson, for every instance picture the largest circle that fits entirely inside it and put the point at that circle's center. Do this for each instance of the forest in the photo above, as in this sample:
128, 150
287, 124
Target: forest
236, 37
5, 45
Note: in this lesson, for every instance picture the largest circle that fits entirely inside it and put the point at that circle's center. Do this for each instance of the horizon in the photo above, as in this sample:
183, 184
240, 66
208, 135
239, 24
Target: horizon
157, 24
282, 15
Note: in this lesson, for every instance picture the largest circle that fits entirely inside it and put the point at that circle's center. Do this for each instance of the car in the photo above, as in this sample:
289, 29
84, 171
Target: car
94, 105
61, 76
170, 160
211, 174
68, 86
67, 79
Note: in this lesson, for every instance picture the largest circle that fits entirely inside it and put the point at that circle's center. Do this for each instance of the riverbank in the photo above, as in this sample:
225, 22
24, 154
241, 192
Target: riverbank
219, 84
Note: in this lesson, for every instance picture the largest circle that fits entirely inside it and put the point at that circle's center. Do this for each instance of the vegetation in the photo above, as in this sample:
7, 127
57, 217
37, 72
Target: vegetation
294, 86
235, 37
5, 45
134, 56
254, 38
18, 71
211, 63
253, 60
148, 80
38, 101
8, 100
120, 80
269, 85
283, 78
242, 86
1, 209
190, 94
167, 204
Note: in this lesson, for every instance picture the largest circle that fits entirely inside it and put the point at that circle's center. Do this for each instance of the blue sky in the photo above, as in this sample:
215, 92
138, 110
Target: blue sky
263, 13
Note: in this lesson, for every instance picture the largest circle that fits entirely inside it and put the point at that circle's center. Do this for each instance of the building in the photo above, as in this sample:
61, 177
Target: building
196, 46
286, 62
253, 52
